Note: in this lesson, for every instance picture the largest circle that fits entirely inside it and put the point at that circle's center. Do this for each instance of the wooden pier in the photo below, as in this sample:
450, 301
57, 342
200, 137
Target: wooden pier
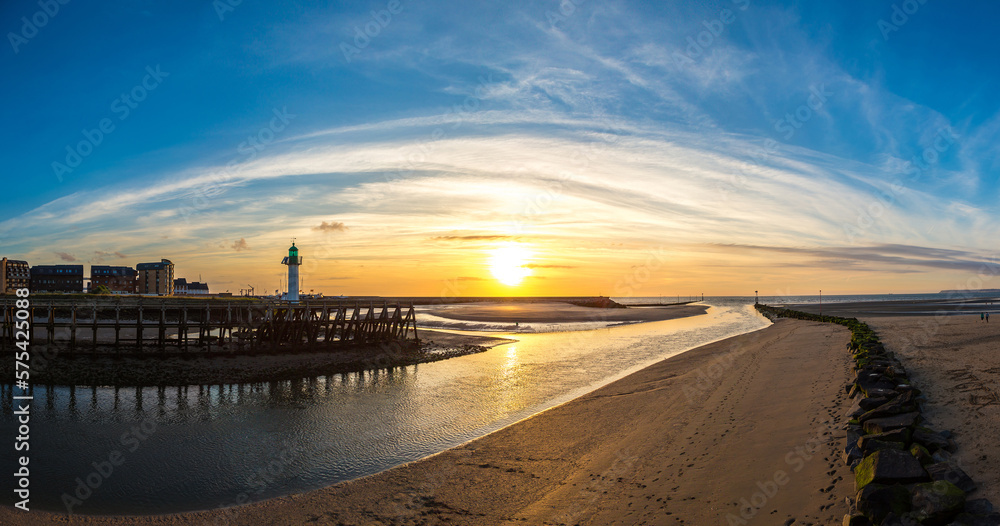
131, 326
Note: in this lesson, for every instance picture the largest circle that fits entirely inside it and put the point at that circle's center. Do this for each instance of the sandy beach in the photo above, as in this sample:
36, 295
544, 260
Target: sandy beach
954, 360
560, 313
748, 425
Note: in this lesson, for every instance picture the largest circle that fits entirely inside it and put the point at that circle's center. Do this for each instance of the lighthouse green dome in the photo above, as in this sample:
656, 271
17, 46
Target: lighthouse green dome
293, 251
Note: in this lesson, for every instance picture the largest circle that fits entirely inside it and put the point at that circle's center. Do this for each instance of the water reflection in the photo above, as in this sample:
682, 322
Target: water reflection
200, 447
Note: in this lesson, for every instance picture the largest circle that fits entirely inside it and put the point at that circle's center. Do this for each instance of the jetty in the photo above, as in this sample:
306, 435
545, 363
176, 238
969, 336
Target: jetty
139, 326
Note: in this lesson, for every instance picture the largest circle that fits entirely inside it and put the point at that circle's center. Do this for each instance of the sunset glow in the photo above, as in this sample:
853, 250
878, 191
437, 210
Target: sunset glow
776, 164
507, 264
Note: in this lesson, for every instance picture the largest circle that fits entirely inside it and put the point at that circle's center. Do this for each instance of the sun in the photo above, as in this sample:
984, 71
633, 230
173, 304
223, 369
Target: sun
507, 263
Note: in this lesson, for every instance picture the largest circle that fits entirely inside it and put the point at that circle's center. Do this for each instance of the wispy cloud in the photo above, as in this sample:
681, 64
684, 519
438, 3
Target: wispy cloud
484, 237
634, 188
332, 226
885, 257
101, 256
585, 139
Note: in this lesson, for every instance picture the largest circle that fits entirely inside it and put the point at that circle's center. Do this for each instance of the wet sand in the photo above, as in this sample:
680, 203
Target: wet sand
752, 421
560, 313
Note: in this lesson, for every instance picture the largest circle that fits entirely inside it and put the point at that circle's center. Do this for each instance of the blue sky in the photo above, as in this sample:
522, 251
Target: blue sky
746, 144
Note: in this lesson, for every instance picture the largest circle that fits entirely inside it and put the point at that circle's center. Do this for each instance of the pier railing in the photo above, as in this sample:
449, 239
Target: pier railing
130, 326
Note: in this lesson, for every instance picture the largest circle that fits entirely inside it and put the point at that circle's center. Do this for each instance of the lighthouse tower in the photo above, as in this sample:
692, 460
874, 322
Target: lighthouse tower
293, 261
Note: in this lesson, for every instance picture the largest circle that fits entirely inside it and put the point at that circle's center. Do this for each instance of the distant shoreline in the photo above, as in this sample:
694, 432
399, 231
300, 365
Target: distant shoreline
942, 307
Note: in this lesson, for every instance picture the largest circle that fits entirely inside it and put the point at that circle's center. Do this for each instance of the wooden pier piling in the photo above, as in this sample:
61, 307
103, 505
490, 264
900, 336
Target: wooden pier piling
230, 327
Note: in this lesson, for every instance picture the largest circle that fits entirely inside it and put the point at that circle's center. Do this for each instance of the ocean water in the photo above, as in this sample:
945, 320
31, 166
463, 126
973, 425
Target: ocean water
202, 447
809, 299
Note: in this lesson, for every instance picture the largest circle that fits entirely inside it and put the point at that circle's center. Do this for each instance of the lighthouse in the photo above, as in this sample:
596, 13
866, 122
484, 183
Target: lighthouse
293, 261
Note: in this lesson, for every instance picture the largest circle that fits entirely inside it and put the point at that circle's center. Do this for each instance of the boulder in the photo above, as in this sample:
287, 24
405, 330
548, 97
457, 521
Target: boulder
896, 435
937, 503
895, 520
941, 456
881, 391
896, 371
872, 446
871, 403
901, 404
921, 454
855, 410
874, 385
881, 425
854, 432
876, 501
888, 466
929, 439
950, 472
852, 453
970, 519
856, 520
979, 507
